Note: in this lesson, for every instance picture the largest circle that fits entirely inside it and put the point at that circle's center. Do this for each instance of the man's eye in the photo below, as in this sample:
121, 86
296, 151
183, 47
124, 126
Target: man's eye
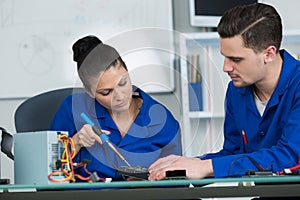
236, 60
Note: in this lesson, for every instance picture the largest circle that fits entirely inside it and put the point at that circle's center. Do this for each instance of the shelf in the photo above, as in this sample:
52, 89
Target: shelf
212, 38
291, 36
207, 38
204, 115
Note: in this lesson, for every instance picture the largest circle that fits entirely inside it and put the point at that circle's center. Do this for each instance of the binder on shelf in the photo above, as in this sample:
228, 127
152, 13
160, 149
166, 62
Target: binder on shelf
195, 83
195, 96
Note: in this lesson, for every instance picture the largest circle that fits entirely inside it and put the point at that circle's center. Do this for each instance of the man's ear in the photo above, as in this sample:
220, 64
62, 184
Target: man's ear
270, 54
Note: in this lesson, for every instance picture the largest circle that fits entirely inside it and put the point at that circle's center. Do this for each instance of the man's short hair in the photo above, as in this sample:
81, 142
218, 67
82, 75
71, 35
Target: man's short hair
258, 24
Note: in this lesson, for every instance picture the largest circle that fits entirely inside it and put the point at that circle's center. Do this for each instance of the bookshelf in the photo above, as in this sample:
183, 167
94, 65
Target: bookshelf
203, 128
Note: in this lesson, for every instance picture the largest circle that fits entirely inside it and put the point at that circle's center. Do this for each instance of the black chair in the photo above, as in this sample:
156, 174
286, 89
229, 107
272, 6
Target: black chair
35, 113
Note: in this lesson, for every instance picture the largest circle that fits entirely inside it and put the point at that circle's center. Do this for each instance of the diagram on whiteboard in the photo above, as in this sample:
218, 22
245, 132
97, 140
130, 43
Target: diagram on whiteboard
34, 51
6, 17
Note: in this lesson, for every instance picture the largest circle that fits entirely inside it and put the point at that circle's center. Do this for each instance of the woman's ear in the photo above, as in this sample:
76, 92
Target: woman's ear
270, 54
89, 92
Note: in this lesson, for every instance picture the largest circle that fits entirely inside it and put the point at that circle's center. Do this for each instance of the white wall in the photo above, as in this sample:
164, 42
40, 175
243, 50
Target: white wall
289, 12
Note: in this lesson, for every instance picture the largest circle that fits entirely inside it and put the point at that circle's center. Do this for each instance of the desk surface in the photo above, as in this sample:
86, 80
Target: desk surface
268, 186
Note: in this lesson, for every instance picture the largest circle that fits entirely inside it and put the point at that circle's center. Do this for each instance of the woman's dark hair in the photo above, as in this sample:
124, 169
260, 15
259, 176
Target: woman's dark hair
94, 57
258, 24
82, 47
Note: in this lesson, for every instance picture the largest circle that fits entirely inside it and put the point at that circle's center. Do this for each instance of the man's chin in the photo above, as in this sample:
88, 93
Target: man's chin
239, 84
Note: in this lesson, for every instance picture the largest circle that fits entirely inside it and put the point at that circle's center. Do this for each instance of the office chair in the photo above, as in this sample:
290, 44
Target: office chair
35, 113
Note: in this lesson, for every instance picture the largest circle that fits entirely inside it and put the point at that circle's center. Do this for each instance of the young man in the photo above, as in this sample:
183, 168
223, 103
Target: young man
262, 120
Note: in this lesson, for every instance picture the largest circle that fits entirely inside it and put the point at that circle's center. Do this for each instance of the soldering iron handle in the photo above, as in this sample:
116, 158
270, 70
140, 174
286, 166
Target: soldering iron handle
103, 136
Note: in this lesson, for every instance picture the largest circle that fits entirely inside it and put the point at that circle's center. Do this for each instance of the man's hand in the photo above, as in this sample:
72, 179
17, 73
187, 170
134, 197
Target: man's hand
195, 167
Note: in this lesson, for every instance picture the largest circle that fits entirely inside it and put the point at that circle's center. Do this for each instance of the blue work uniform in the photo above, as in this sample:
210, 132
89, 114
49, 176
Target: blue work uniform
155, 133
272, 140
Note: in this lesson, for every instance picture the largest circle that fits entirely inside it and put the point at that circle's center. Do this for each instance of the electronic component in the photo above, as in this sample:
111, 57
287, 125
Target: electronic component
176, 174
260, 173
36, 155
134, 171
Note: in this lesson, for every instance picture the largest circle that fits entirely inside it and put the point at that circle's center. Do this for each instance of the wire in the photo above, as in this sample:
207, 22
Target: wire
291, 169
67, 169
259, 167
67, 172
108, 156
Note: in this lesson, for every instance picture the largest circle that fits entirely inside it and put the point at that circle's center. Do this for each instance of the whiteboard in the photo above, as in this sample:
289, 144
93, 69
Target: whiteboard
37, 36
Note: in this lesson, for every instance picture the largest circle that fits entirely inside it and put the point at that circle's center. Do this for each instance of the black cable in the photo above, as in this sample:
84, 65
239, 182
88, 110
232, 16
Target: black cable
260, 168
112, 162
108, 157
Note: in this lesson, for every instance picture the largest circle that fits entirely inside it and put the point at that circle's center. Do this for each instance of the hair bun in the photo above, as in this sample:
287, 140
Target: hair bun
82, 47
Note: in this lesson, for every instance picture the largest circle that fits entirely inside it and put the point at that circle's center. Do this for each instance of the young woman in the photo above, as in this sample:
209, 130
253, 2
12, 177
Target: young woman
141, 128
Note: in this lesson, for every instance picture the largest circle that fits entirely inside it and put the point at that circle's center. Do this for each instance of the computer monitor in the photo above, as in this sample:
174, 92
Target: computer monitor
207, 13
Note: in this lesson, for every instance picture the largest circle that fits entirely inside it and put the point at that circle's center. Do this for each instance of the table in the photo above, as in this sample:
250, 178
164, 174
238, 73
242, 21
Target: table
265, 186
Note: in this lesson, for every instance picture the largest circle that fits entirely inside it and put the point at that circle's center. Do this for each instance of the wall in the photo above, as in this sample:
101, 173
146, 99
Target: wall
288, 9
289, 12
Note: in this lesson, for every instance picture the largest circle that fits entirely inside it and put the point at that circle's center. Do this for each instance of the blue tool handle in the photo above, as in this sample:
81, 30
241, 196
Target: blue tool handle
103, 136
87, 119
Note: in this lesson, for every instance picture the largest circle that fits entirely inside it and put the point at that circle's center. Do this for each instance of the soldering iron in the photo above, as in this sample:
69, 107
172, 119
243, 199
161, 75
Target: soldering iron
104, 137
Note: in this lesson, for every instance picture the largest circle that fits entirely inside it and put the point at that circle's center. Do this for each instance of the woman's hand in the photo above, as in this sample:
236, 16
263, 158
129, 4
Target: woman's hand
195, 167
86, 137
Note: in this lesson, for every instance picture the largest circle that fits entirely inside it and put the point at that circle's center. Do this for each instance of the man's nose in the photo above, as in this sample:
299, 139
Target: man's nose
227, 65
